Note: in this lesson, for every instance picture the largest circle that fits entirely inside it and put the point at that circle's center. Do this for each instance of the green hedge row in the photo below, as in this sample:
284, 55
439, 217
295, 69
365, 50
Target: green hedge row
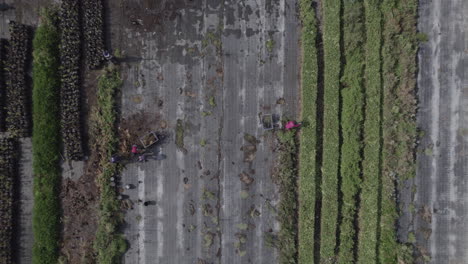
109, 243
331, 127
371, 166
399, 126
308, 137
352, 118
46, 140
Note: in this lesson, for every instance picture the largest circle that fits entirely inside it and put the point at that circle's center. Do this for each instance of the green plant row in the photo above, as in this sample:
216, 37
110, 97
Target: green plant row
371, 166
287, 207
352, 118
308, 137
399, 126
46, 140
109, 243
331, 127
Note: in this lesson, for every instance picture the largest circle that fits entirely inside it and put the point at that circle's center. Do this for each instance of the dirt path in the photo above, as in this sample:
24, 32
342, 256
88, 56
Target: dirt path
213, 66
441, 204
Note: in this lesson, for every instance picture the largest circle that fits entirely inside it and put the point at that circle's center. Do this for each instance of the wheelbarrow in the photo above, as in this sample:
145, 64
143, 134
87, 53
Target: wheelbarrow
149, 139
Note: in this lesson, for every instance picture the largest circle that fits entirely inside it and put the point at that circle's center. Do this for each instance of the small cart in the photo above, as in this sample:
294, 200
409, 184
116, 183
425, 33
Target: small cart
149, 139
267, 122
270, 122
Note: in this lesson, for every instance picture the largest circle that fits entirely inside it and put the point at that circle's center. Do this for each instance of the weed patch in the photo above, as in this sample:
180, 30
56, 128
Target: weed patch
286, 177
212, 101
270, 45
179, 135
399, 127
109, 243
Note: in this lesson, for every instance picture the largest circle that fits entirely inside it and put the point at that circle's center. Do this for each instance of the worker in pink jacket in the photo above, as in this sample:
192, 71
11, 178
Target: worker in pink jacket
134, 150
291, 124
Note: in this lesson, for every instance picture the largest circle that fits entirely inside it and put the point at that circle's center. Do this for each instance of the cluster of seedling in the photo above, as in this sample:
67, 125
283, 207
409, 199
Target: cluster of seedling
3, 62
7, 171
93, 32
18, 118
70, 48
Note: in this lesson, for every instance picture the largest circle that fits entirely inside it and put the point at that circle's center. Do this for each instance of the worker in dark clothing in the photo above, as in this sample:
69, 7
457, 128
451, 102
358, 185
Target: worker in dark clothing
115, 159
142, 158
107, 55
137, 22
5, 7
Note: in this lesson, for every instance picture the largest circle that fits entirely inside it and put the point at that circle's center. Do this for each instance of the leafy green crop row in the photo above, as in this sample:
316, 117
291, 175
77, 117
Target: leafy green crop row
331, 127
371, 169
352, 117
308, 137
109, 244
46, 140
377, 141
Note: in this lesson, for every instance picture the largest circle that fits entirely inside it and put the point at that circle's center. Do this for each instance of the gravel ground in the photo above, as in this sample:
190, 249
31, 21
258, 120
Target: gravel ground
215, 67
441, 207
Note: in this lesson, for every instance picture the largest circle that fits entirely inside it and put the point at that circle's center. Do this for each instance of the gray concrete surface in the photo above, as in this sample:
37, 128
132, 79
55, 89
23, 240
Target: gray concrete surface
441, 201
194, 51
24, 236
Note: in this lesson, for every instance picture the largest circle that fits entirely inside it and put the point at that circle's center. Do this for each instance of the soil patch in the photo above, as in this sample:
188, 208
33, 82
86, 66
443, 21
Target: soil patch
250, 149
79, 205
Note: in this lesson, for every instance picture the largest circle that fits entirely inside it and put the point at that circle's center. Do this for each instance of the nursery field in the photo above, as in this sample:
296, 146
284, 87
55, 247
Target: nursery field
373, 175
358, 94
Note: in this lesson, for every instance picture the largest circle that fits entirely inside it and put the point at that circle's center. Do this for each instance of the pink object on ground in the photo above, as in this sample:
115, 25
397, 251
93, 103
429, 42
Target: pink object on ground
134, 149
291, 125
